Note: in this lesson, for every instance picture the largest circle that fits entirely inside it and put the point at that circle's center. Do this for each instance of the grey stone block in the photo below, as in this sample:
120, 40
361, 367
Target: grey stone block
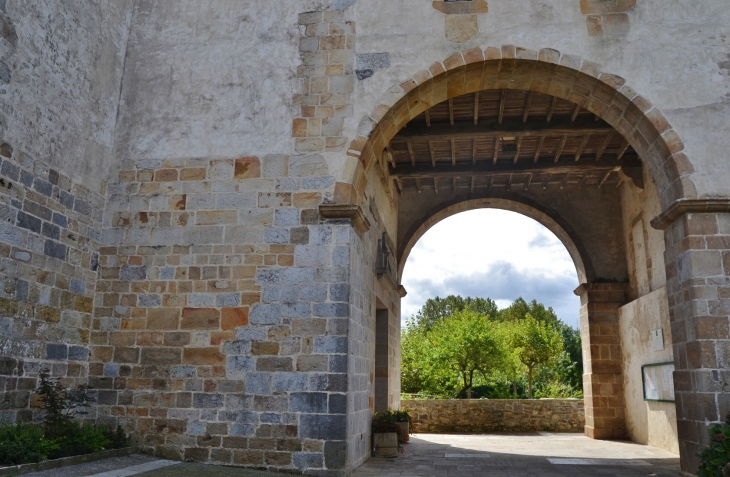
247, 417
247, 334
276, 235
238, 366
265, 314
268, 276
56, 351
244, 200
275, 166
270, 294
51, 231
77, 286
308, 460
227, 300
180, 372
320, 234
331, 310
270, 418
60, 220
11, 235
308, 402
42, 186
274, 364
29, 222
54, 249
243, 430
258, 383
328, 382
196, 428
312, 256
26, 178
78, 353
323, 426
372, 61
340, 292
111, 370
330, 344
149, 301
308, 166
337, 404
314, 292
207, 400
296, 310
127, 273
270, 403
286, 217
341, 256
297, 275
83, 208
317, 183
201, 300
289, 382
66, 199
21, 290
335, 454
167, 273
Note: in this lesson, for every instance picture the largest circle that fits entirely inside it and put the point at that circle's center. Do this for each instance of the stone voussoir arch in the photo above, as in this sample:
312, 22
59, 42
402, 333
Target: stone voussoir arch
549, 218
545, 71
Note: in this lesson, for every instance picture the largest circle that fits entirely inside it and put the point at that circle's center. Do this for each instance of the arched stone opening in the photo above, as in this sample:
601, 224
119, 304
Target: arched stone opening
550, 219
548, 71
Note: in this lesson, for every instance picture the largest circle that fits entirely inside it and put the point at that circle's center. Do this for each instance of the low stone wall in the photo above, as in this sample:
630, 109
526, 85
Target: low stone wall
493, 415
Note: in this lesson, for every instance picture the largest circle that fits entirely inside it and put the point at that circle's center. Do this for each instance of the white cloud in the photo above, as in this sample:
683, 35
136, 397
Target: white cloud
491, 253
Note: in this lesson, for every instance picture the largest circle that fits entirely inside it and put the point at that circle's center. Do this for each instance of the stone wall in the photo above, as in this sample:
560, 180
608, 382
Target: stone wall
496, 415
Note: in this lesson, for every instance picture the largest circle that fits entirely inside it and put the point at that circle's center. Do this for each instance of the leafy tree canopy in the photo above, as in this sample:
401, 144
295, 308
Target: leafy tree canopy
436, 309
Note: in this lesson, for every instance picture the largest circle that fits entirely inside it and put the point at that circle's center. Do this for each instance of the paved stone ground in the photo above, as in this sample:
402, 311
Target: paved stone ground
491, 455
526, 455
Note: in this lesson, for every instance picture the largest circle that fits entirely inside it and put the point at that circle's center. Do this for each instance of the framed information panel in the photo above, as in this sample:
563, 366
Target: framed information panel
658, 380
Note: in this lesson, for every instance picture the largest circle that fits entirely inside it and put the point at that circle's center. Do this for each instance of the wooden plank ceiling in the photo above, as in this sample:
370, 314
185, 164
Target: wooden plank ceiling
508, 139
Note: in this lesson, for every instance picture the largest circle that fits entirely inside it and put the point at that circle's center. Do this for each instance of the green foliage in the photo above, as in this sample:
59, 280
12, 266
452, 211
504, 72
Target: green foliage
436, 309
715, 460
24, 444
74, 438
393, 416
61, 405
538, 343
439, 349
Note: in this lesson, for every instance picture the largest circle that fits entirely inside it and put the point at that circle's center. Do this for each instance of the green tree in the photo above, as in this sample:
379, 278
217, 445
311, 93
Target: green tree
538, 343
469, 344
519, 309
436, 309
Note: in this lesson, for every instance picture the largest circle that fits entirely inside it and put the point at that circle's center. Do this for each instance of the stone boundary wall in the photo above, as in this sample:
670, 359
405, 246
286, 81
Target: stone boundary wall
493, 415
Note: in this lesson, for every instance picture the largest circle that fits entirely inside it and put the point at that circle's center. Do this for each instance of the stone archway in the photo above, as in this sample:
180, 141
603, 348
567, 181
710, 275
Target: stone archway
644, 127
546, 71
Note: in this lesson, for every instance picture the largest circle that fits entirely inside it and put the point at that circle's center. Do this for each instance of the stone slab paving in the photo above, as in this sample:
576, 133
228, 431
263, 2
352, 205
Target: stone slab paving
523, 454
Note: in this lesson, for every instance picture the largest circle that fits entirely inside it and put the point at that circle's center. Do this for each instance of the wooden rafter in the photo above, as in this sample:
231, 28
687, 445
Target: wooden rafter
410, 153
509, 182
539, 147
506, 168
528, 103
451, 111
418, 184
428, 118
553, 103
496, 150
576, 110
582, 147
433, 153
604, 145
519, 146
623, 150
453, 152
529, 181
399, 185
561, 145
474, 151
501, 105
476, 108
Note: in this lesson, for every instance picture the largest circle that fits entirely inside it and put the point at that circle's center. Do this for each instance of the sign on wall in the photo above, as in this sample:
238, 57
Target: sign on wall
658, 379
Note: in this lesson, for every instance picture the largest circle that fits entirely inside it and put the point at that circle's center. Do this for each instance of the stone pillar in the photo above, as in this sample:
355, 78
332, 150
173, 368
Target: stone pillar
382, 361
602, 378
697, 239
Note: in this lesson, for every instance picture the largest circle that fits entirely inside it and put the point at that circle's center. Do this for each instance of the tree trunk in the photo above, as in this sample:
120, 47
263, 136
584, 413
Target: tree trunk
514, 387
529, 379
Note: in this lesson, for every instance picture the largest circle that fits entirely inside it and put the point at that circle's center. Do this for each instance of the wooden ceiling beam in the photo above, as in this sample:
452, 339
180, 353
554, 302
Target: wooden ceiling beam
522, 168
582, 147
501, 105
561, 145
623, 149
474, 152
528, 103
496, 150
529, 181
538, 149
428, 119
433, 153
576, 110
519, 146
604, 145
510, 127
552, 108
453, 153
476, 108
451, 111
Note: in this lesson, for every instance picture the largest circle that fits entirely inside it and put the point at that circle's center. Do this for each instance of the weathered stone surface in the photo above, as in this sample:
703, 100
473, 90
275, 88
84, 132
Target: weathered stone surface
496, 415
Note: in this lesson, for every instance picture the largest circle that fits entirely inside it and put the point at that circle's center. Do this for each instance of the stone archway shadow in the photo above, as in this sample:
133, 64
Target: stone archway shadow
507, 201
545, 71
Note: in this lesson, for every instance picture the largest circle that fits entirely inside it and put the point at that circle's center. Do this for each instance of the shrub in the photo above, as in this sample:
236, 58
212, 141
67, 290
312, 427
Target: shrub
715, 460
60, 405
24, 444
75, 438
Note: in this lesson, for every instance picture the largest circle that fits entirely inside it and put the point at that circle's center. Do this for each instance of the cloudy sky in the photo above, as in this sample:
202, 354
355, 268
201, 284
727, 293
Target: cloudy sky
491, 253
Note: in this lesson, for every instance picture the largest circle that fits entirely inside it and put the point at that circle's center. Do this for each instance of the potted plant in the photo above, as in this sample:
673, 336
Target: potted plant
388, 437
403, 420
715, 460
